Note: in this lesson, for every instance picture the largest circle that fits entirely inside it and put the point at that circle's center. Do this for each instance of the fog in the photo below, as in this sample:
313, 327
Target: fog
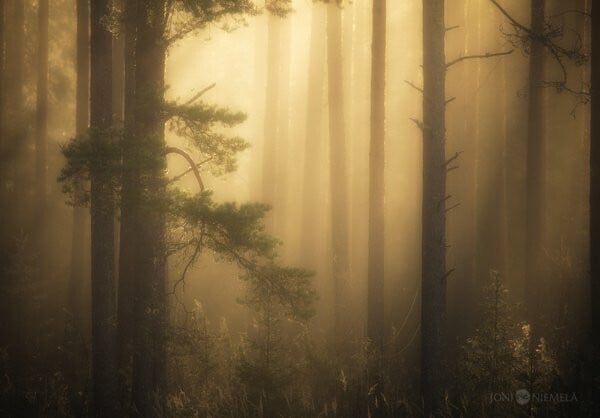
281, 71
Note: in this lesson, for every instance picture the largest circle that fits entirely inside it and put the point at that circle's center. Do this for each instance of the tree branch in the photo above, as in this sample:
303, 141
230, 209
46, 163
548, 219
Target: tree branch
191, 162
200, 93
482, 56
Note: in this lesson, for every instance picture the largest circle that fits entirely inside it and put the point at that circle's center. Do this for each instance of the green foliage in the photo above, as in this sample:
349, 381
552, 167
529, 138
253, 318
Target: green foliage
81, 155
500, 358
198, 123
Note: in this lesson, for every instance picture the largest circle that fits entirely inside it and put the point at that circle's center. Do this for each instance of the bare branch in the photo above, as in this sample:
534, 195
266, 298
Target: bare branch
450, 100
189, 170
481, 56
191, 162
418, 123
448, 29
452, 207
199, 94
419, 89
453, 158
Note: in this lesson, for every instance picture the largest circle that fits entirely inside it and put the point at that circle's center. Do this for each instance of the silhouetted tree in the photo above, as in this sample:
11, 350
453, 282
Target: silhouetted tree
434, 275
104, 354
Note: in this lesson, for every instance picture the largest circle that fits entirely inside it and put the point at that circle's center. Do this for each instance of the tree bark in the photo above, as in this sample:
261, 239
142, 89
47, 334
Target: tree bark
376, 179
41, 129
104, 367
338, 171
536, 155
129, 198
595, 177
433, 286
149, 371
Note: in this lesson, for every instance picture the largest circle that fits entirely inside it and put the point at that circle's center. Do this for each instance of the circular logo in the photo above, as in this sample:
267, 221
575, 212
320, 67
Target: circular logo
523, 397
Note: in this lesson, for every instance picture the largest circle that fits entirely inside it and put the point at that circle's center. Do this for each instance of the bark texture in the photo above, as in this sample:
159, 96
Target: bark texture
376, 179
433, 286
149, 371
104, 358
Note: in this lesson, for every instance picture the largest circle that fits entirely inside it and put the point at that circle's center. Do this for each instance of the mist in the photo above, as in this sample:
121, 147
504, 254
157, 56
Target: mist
299, 208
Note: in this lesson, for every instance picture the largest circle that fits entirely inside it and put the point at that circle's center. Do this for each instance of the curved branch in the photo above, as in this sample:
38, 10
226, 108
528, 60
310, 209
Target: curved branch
191, 162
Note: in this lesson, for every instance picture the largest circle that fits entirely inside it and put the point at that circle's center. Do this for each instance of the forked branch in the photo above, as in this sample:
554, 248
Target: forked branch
480, 56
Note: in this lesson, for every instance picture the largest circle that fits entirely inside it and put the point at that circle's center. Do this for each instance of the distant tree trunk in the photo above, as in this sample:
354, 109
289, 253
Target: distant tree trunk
433, 285
41, 128
536, 155
79, 243
313, 154
104, 367
128, 242
595, 177
14, 114
149, 368
270, 143
376, 178
283, 124
338, 171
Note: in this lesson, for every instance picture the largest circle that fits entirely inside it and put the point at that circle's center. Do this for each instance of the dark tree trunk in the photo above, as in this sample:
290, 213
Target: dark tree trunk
338, 171
433, 286
14, 120
536, 155
104, 367
149, 371
75, 325
128, 203
595, 177
41, 129
376, 179
80, 215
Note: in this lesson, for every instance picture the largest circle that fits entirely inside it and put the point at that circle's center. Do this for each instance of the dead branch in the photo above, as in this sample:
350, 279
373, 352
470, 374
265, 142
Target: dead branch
481, 56
191, 162
448, 29
450, 100
419, 89
199, 94
189, 170
418, 123
453, 158
452, 207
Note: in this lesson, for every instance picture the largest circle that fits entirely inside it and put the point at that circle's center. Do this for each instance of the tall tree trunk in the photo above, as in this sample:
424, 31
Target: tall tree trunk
127, 234
79, 238
433, 285
376, 179
313, 153
338, 171
104, 367
41, 128
14, 119
536, 155
149, 371
595, 177
269, 174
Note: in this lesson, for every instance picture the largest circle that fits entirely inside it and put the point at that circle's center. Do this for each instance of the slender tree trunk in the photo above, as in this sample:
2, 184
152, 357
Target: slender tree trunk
271, 114
79, 241
14, 119
283, 158
376, 179
595, 177
375, 309
313, 154
338, 170
433, 286
129, 198
536, 154
41, 129
149, 368
104, 367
